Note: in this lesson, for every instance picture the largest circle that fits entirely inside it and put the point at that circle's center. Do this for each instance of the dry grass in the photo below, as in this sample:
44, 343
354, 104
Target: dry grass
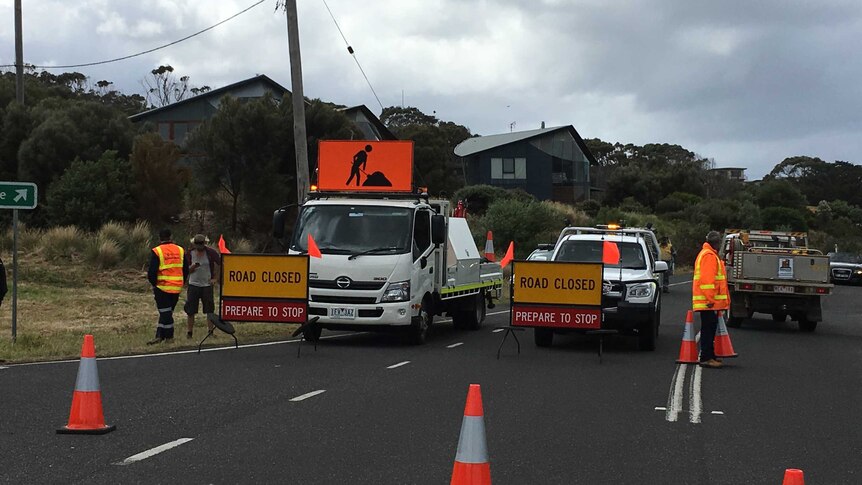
71, 283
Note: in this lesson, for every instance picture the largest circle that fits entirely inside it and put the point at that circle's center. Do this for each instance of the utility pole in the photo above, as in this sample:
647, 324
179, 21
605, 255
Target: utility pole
19, 55
299, 138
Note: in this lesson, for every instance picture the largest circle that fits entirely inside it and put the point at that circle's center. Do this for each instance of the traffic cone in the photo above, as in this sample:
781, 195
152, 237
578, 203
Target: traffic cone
86, 416
688, 347
793, 476
472, 466
489, 247
723, 347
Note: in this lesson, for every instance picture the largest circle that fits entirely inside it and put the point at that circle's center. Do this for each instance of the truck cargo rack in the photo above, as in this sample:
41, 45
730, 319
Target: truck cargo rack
370, 195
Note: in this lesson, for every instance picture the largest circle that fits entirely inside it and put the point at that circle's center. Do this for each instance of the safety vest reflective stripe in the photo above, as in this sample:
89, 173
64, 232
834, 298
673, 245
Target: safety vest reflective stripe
698, 297
720, 297
699, 306
707, 287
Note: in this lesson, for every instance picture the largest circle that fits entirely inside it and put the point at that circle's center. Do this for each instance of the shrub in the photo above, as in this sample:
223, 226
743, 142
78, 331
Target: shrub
65, 242
526, 224
590, 207
115, 231
783, 218
103, 252
137, 244
480, 197
571, 215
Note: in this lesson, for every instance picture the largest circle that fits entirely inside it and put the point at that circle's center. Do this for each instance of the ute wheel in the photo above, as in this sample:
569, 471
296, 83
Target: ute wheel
779, 317
647, 333
806, 325
418, 332
544, 337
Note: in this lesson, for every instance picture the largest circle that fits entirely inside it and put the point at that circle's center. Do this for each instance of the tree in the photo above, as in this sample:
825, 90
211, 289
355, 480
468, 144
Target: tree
78, 198
163, 87
396, 118
158, 180
780, 193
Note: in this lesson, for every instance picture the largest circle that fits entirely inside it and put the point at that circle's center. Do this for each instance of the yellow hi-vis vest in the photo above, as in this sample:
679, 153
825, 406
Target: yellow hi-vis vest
170, 276
710, 282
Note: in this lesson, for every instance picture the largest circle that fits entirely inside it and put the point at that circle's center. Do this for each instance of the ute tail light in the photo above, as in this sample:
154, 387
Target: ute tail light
822, 291
746, 286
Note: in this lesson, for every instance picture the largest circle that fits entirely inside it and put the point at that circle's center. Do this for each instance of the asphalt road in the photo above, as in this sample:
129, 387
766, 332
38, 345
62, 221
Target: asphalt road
791, 400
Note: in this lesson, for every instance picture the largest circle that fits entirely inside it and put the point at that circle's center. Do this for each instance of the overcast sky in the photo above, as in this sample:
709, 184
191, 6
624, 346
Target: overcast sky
746, 82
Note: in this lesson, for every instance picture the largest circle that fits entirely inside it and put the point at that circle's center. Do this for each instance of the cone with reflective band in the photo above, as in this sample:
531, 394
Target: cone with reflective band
793, 476
86, 416
489, 247
472, 466
723, 347
688, 348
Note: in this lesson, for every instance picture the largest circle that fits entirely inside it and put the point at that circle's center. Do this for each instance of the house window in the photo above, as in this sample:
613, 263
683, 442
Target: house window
509, 168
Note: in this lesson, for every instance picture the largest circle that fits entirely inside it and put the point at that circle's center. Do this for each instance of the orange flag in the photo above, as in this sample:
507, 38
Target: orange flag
222, 247
510, 255
313, 250
610, 252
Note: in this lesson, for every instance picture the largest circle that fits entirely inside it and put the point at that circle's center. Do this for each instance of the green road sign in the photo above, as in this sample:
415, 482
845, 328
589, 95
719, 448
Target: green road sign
17, 195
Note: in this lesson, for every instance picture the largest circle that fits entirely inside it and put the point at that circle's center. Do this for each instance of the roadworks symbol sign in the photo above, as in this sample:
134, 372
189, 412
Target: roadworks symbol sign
365, 166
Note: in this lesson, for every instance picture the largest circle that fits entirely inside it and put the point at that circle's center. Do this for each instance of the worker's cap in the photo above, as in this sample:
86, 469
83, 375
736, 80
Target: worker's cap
200, 239
713, 237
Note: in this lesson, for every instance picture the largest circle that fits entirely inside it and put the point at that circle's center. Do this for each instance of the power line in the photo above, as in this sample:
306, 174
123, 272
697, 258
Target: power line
146, 51
350, 50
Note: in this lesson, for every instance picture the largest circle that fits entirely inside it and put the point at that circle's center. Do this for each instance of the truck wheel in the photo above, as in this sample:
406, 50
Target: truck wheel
418, 332
806, 325
647, 333
544, 337
472, 318
779, 317
734, 322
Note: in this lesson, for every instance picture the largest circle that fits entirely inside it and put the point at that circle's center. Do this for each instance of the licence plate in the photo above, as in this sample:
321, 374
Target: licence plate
343, 313
784, 289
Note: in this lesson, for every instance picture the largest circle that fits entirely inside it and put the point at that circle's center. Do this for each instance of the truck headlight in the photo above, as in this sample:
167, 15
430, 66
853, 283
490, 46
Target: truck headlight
397, 292
640, 293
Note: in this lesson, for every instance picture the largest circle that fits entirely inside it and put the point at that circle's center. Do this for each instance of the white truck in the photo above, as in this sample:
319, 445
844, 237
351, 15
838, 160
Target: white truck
390, 261
777, 273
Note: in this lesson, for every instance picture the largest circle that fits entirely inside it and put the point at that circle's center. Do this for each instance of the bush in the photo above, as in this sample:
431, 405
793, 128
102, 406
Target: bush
103, 252
526, 224
480, 197
783, 219
66, 242
590, 207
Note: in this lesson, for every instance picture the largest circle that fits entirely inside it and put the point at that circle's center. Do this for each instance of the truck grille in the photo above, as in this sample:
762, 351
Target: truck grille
354, 285
348, 300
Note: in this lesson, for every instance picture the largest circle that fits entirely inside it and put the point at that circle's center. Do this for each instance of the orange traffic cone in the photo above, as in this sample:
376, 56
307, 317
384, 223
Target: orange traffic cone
688, 347
489, 247
793, 476
472, 466
723, 347
86, 416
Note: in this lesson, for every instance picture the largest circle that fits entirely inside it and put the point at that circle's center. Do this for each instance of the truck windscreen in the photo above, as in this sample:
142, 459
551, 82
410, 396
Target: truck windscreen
349, 229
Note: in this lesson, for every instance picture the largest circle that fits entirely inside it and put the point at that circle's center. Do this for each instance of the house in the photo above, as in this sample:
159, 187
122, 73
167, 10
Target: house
549, 163
731, 173
176, 120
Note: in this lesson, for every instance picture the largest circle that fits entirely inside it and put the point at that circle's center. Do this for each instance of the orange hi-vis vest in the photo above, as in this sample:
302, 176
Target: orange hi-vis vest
170, 276
710, 282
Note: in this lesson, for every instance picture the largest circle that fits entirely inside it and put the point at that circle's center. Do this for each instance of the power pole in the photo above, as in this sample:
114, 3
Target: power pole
19, 55
299, 138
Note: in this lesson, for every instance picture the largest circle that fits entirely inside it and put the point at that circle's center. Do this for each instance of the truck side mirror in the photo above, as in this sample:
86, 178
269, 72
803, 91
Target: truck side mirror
438, 229
278, 223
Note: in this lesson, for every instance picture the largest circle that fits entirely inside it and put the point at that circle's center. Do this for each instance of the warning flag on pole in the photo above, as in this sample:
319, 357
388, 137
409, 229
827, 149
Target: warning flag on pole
610, 253
510, 255
313, 250
222, 247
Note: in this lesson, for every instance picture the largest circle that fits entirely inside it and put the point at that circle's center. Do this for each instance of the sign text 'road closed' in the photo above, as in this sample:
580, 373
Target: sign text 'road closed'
557, 283
265, 276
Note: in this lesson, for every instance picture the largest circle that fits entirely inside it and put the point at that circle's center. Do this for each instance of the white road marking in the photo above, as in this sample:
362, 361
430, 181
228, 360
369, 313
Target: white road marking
454, 345
307, 395
695, 402
675, 397
660, 408
3, 367
680, 283
497, 330
153, 451
398, 364
719, 413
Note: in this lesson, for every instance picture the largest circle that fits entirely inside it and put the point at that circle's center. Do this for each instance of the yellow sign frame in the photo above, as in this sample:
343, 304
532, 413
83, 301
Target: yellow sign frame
557, 283
281, 276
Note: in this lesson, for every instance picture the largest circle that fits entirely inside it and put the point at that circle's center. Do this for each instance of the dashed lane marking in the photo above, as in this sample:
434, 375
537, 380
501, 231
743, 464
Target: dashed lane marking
718, 413
398, 364
680, 283
454, 345
308, 395
497, 330
153, 451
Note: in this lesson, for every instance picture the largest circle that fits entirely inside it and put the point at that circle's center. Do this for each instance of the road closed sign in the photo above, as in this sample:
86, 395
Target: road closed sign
556, 294
264, 288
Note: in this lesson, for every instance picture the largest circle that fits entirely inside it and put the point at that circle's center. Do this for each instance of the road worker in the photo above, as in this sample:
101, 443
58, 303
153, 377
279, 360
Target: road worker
167, 272
709, 295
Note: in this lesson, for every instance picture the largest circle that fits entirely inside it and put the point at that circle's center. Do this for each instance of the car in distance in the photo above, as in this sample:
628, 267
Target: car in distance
845, 268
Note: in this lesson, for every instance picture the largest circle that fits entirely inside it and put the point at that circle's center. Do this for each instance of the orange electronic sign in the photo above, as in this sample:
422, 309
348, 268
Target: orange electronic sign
365, 166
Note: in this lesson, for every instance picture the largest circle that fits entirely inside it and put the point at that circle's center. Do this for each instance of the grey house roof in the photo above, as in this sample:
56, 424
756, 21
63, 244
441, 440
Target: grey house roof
357, 113
479, 144
215, 93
